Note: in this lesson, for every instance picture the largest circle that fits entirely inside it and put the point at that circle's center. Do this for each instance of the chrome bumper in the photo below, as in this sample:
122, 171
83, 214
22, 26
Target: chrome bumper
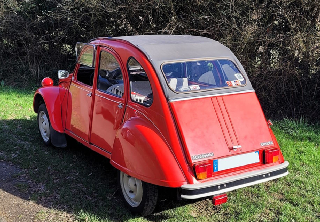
211, 188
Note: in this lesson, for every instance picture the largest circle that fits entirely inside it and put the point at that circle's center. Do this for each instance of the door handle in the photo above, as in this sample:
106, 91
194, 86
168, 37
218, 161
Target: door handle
89, 94
120, 105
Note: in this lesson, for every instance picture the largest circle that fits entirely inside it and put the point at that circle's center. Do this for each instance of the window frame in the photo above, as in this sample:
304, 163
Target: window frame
130, 91
83, 49
93, 65
107, 50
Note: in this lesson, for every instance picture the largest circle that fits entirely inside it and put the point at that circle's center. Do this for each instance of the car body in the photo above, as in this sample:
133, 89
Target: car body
167, 110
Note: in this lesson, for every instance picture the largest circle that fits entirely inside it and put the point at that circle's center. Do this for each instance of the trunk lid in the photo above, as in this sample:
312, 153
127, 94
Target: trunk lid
221, 126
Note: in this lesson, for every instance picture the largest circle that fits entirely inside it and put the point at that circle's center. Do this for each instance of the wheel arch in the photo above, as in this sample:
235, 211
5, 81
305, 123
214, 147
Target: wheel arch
51, 97
141, 151
37, 101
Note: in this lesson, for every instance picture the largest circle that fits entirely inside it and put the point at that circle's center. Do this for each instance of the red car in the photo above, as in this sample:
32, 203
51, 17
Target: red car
171, 111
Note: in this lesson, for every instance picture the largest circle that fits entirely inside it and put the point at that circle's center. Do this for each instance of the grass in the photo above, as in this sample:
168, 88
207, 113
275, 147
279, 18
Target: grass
78, 181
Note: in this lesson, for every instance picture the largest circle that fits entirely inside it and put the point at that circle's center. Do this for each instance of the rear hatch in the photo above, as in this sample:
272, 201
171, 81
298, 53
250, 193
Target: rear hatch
231, 128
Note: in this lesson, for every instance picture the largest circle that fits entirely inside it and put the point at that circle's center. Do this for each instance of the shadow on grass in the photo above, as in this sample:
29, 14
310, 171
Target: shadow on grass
74, 179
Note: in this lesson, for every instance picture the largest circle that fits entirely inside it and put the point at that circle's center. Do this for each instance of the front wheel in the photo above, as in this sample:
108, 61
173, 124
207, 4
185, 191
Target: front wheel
140, 197
44, 124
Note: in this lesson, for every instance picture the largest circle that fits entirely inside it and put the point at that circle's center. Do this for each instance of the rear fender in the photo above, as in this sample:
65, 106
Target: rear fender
51, 97
141, 151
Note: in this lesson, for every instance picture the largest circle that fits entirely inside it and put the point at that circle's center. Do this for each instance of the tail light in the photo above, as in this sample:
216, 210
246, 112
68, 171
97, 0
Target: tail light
271, 156
203, 170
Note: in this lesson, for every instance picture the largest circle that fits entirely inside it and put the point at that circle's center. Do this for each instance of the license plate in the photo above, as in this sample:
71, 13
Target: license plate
235, 161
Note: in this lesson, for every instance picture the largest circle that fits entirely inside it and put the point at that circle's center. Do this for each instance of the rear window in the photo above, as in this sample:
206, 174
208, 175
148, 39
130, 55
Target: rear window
201, 75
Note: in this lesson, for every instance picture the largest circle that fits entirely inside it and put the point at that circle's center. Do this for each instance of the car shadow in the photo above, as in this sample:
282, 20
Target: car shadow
75, 179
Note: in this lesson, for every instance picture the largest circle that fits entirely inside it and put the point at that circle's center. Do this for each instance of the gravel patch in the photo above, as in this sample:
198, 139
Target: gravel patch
15, 203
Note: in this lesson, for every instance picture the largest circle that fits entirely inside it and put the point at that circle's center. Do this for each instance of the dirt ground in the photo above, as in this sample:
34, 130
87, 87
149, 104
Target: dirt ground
16, 198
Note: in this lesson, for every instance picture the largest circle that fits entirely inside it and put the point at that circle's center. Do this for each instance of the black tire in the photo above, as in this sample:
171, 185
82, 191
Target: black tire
144, 206
44, 124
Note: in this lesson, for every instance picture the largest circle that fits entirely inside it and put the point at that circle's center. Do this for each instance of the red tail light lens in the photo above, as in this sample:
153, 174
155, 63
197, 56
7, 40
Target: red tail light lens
271, 156
203, 170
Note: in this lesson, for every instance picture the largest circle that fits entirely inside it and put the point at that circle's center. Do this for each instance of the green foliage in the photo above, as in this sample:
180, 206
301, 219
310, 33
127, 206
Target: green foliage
276, 40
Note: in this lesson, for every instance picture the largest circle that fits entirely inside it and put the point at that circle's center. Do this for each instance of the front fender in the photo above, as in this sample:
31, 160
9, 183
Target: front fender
141, 151
51, 97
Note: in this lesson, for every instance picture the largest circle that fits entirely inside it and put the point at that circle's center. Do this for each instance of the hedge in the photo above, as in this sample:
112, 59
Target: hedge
277, 41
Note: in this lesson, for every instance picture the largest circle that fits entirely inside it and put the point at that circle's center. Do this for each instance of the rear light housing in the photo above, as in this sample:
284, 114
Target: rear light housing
203, 170
271, 156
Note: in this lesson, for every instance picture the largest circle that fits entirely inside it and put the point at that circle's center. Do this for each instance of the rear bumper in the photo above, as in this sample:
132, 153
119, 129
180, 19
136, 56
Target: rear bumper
211, 188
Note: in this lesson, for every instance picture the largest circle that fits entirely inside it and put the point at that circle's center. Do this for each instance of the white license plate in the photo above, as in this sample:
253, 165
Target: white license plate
236, 161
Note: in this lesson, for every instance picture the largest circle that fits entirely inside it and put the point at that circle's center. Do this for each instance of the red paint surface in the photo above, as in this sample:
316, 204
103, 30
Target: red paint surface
79, 110
216, 124
51, 97
106, 119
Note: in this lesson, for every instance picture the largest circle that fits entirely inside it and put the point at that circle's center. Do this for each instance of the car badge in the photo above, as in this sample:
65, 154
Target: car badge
266, 143
202, 156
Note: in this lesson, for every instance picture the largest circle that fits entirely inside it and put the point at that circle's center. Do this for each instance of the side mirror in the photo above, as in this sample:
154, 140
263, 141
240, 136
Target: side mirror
62, 74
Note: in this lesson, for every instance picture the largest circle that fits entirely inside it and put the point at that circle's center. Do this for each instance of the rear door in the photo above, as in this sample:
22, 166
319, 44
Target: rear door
109, 105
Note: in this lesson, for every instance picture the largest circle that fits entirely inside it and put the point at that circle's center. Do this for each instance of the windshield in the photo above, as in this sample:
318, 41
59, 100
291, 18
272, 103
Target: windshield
201, 75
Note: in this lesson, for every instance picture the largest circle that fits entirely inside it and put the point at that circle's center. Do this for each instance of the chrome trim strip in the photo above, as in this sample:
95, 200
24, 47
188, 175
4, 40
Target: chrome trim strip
108, 98
100, 149
79, 87
88, 142
199, 97
234, 178
77, 136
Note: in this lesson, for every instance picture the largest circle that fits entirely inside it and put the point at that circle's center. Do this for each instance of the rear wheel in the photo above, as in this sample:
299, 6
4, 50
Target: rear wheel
44, 124
140, 197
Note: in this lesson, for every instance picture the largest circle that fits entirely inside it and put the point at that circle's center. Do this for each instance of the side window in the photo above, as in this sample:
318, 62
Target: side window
140, 87
110, 77
86, 70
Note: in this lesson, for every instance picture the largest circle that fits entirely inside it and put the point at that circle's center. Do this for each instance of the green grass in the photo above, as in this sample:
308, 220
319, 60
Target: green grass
78, 181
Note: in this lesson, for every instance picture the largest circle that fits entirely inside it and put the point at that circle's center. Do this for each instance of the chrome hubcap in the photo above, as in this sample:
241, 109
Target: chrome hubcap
44, 126
132, 189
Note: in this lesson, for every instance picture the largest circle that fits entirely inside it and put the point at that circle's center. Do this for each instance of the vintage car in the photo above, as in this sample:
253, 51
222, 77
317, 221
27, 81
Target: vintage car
167, 110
